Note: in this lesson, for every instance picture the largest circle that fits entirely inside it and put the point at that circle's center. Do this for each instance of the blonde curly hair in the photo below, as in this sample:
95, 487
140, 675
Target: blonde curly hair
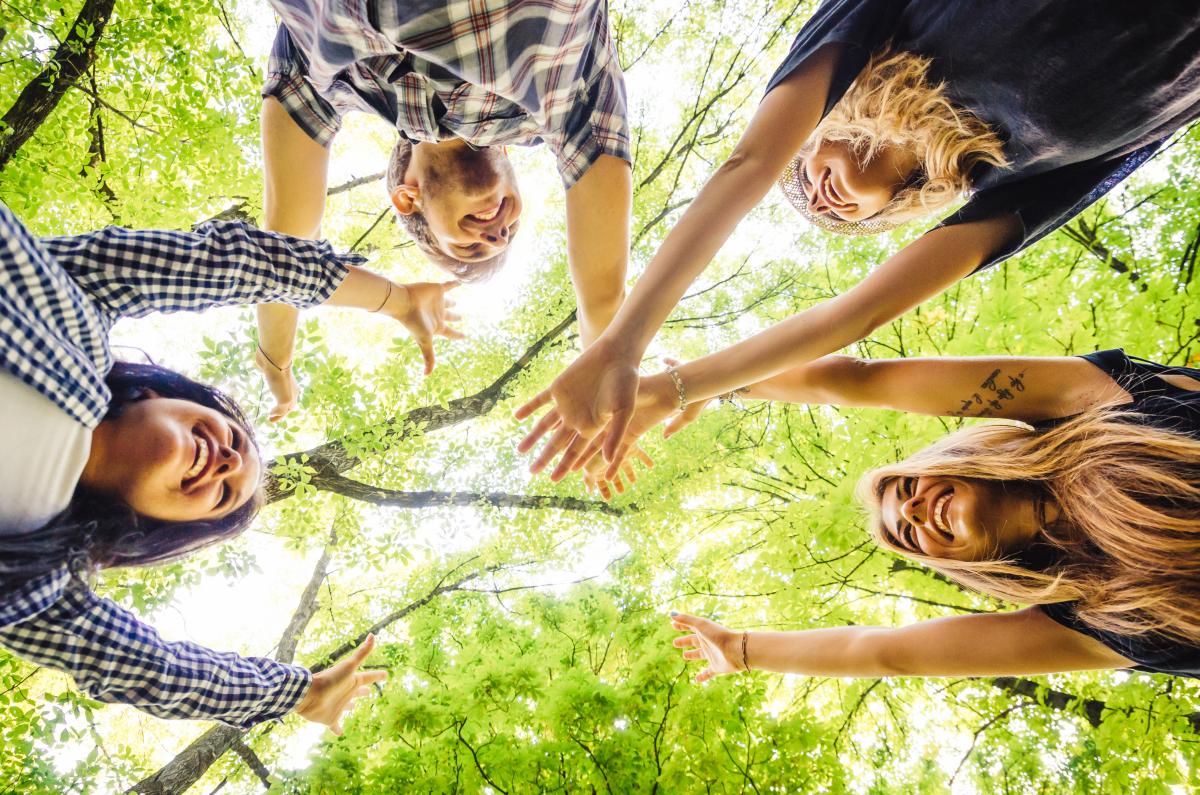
892, 103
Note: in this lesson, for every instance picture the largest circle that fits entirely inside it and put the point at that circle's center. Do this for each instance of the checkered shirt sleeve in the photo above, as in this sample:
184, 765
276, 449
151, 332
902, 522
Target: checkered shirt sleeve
287, 82
132, 273
115, 658
51, 336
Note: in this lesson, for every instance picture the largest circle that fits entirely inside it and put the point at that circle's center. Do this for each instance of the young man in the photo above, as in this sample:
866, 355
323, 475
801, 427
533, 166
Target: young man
460, 81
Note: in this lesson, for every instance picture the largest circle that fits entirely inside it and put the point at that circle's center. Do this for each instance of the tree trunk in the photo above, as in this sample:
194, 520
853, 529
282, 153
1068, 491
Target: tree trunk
42, 94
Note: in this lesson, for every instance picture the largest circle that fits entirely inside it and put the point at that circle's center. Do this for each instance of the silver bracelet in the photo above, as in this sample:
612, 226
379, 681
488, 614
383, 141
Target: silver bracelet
731, 394
675, 379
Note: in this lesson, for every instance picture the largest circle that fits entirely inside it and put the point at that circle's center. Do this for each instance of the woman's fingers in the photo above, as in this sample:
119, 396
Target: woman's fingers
561, 439
685, 642
573, 452
372, 677
693, 654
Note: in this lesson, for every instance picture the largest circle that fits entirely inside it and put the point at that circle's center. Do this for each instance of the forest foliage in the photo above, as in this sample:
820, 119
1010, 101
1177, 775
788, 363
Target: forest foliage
523, 622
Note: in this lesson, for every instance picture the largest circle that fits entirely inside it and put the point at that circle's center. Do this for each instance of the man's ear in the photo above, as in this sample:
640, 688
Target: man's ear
406, 199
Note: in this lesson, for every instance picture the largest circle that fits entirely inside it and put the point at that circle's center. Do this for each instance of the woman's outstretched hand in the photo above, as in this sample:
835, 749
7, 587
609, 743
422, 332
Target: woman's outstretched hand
593, 398
718, 646
281, 381
426, 312
657, 402
333, 690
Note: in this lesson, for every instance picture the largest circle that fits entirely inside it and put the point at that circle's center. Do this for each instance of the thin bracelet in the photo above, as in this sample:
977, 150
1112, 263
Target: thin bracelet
671, 371
272, 361
745, 660
385, 298
731, 394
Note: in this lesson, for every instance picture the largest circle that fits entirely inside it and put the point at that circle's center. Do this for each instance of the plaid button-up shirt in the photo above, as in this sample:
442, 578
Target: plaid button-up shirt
59, 296
490, 72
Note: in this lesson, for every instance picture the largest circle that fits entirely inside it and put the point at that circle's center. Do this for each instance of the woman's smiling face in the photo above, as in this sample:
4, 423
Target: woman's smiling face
174, 460
957, 518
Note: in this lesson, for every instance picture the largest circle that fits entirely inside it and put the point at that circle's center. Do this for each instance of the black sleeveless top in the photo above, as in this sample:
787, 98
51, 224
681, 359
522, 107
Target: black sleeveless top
1174, 409
1081, 91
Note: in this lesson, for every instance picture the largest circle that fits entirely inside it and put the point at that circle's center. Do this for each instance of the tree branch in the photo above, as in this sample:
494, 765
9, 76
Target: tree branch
42, 94
194, 761
333, 458
354, 183
339, 484
253, 762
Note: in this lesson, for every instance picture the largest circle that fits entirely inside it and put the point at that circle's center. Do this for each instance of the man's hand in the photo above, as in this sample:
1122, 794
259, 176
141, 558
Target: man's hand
424, 310
281, 381
333, 690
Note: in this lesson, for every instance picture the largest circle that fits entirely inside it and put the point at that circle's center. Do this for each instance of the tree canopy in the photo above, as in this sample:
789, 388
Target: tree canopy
524, 622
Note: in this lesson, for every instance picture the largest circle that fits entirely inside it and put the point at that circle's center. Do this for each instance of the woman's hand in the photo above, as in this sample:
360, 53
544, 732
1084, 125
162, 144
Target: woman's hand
657, 402
597, 392
281, 381
333, 690
719, 646
595, 476
424, 310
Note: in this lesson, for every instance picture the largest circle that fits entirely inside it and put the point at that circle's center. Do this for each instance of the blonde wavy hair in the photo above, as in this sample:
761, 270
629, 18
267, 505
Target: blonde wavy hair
892, 103
1126, 545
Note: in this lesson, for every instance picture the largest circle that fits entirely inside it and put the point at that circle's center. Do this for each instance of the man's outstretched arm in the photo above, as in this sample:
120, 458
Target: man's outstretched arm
598, 210
295, 169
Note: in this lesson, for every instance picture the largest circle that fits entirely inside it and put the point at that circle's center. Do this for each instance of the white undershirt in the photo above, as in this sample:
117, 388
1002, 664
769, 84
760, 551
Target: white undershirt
42, 455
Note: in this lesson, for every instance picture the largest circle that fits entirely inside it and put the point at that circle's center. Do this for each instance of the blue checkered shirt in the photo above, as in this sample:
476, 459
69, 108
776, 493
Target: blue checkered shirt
59, 296
490, 72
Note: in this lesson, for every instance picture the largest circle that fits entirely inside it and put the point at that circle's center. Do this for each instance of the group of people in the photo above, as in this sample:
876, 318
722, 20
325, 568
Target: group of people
1086, 508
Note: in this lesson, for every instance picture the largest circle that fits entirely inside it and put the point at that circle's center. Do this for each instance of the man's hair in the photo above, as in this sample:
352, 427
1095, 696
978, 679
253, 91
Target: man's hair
1125, 547
418, 228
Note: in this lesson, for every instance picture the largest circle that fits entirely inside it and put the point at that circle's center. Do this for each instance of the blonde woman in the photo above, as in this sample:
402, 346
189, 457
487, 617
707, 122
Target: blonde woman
1089, 511
885, 110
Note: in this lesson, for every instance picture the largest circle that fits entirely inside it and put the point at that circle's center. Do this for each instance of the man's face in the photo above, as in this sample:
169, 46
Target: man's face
469, 198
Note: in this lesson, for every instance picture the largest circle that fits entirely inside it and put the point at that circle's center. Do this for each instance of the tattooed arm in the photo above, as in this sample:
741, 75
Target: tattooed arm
1012, 387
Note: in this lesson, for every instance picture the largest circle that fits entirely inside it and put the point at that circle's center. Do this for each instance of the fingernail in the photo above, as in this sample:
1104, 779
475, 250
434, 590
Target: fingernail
674, 612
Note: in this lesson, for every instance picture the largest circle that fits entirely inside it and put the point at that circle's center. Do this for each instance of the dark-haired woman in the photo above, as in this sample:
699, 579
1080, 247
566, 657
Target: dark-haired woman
122, 465
1089, 511
885, 110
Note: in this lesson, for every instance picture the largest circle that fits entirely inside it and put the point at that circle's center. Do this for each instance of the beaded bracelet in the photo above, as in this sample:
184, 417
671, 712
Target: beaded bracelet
671, 371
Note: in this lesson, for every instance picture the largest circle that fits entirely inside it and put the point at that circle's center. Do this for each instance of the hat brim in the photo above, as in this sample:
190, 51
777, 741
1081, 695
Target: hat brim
792, 187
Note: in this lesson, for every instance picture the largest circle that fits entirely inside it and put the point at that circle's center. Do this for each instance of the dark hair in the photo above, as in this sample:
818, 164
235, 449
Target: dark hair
99, 531
418, 228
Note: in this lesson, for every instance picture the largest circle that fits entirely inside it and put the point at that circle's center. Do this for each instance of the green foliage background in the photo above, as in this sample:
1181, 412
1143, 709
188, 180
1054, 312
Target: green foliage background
521, 679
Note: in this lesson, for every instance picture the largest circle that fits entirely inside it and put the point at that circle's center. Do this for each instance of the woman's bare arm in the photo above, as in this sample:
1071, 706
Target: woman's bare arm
1021, 643
1027, 388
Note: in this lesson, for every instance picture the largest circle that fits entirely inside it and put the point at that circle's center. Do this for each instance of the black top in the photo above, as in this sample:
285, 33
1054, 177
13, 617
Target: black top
1082, 91
1172, 408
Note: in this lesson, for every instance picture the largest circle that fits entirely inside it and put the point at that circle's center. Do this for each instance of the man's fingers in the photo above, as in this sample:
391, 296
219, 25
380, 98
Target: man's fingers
534, 403
543, 426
